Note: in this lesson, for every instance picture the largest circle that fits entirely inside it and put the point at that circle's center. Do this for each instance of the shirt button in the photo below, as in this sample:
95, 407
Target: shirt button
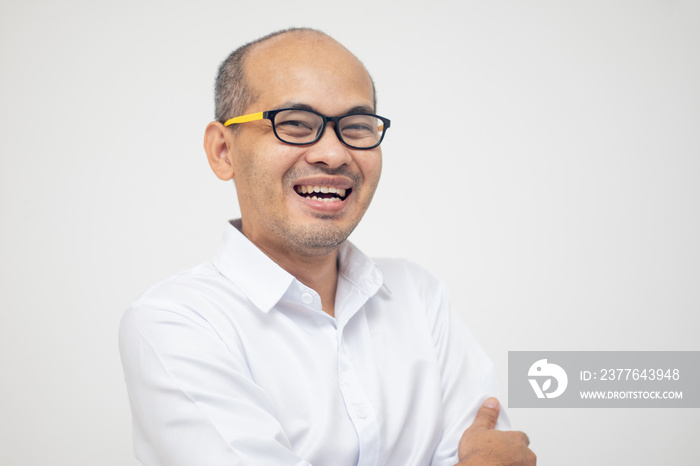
306, 298
362, 413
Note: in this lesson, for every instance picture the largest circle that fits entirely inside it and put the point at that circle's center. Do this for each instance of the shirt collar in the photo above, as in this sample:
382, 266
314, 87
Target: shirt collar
265, 283
359, 270
259, 277
359, 279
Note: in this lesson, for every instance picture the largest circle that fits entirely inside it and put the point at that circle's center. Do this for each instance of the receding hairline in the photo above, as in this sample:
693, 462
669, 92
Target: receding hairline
230, 105
276, 39
279, 35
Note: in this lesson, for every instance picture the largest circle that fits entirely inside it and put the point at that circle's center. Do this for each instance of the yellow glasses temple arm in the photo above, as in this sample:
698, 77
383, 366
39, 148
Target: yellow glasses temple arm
244, 118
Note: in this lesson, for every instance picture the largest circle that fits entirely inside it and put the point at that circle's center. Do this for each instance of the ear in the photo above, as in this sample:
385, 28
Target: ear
217, 145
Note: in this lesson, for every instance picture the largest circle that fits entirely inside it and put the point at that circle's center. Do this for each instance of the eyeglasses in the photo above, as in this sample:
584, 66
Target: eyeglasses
301, 127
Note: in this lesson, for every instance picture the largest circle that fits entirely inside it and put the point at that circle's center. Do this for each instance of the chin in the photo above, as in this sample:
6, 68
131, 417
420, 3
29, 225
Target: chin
319, 239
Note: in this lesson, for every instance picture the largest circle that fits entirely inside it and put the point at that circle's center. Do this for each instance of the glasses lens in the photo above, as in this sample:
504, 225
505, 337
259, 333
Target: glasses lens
361, 131
297, 126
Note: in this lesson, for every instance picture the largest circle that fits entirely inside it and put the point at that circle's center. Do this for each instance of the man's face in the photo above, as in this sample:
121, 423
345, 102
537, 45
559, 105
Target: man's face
272, 177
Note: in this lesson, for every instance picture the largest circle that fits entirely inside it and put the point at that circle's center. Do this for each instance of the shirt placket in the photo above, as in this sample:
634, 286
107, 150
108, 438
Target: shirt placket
361, 412
357, 403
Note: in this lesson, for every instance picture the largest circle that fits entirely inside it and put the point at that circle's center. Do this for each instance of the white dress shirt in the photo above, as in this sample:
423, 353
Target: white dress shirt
234, 362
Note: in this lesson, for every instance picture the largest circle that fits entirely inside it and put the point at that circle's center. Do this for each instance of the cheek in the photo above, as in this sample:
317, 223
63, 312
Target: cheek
262, 176
250, 179
372, 169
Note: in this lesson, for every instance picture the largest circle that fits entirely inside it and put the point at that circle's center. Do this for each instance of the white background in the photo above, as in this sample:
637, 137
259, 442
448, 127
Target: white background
543, 159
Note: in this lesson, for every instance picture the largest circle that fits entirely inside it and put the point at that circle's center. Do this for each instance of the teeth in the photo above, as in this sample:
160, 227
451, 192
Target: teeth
321, 189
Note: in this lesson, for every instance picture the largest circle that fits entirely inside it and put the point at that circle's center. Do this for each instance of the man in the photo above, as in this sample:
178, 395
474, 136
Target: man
291, 347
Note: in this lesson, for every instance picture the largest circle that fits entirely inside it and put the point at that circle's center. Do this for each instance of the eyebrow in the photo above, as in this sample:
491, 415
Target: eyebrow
300, 106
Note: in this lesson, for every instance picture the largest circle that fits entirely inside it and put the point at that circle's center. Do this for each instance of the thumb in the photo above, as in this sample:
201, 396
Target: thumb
487, 416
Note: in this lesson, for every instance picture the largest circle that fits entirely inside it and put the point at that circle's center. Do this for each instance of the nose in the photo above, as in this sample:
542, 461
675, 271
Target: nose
329, 150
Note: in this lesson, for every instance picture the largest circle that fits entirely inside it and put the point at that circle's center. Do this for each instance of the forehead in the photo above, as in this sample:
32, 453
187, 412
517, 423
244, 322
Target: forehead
310, 69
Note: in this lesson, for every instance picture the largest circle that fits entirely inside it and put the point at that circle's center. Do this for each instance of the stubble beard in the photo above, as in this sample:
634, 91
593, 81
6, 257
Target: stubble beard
312, 241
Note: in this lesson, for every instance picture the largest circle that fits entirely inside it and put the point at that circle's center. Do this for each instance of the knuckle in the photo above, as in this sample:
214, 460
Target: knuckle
532, 458
525, 438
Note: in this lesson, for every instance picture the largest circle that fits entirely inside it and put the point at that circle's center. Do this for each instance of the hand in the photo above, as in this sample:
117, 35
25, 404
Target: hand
483, 446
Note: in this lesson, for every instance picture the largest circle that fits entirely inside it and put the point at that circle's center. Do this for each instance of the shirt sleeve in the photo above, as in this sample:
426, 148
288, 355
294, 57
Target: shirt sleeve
192, 398
467, 377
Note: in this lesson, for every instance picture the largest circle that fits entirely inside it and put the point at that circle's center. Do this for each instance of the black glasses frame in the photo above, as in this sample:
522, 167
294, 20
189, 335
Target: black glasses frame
270, 115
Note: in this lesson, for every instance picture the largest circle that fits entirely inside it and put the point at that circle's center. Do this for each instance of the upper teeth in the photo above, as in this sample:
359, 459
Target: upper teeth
321, 189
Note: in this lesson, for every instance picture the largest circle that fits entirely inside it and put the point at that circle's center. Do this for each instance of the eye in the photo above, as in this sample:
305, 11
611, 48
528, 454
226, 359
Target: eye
358, 132
297, 124
294, 125
359, 127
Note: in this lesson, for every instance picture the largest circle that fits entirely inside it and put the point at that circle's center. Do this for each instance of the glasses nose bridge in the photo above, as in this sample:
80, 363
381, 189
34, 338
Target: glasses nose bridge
336, 127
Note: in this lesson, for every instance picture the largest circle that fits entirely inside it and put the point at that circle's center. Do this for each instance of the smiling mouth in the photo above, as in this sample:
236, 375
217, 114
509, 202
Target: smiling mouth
323, 193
